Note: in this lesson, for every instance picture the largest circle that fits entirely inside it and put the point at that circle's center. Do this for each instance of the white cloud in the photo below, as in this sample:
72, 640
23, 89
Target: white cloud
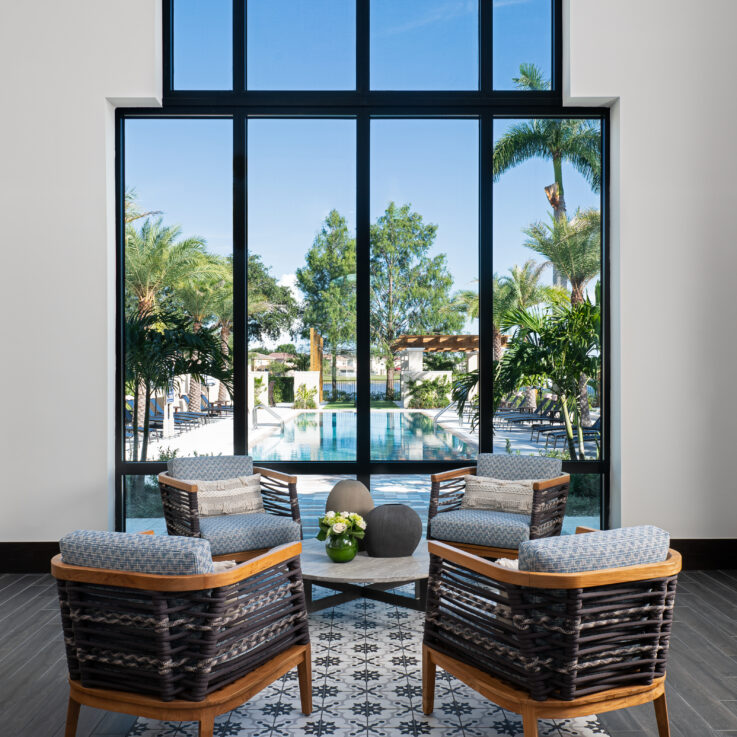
440, 14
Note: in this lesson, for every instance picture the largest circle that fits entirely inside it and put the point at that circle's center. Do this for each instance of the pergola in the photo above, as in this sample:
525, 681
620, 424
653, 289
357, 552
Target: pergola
440, 343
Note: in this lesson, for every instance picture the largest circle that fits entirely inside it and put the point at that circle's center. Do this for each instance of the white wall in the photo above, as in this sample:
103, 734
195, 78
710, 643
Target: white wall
64, 66
670, 64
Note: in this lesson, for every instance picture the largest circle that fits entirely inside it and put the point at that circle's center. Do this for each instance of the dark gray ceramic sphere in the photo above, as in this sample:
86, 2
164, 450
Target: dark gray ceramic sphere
350, 495
392, 531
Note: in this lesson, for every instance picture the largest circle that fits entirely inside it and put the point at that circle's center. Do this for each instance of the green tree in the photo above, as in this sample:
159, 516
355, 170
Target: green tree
574, 248
327, 282
560, 344
410, 290
160, 347
272, 309
222, 307
577, 142
197, 297
157, 260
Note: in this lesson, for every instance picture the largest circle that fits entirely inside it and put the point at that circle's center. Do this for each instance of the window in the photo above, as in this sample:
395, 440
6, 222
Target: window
338, 171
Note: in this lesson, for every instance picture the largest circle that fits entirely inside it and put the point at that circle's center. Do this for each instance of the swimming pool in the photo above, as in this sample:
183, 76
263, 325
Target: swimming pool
331, 436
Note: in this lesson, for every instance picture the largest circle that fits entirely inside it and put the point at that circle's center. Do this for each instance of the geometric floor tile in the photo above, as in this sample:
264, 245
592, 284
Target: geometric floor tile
367, 683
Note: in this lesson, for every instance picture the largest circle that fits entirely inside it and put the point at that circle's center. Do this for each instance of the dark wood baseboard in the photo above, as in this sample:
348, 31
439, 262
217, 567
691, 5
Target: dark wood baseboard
706, 555
35, 557
32, 557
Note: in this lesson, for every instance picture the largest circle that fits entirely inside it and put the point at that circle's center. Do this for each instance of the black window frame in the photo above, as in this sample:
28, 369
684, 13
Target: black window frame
362, 105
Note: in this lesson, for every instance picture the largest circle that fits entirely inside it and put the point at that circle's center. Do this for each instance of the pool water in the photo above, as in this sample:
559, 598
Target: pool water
331, 436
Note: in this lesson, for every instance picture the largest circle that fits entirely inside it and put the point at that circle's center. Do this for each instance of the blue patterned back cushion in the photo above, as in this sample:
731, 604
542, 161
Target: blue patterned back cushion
126, 551
510, 467
592, 551
210, 468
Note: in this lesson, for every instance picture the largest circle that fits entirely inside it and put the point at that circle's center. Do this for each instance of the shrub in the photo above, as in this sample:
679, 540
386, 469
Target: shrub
429, 394
305, 398
282, 389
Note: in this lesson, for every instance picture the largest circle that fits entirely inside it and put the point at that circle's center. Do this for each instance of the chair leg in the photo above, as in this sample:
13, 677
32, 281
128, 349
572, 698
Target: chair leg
529, 724
661, 714
428, 682
72, 718
207, 724
304, 674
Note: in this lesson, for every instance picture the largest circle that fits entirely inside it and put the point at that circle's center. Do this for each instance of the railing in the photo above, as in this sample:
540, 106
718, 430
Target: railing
270, 411
348, 386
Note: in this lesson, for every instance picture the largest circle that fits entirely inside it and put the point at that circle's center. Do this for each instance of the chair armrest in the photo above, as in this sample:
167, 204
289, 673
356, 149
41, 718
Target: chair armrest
154, 582
454, 474
279, 493
164, 478
549, 499
181, 510
270, 473
447, 489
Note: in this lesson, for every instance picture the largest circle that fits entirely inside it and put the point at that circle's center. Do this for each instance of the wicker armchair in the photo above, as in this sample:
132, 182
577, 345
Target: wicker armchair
233, 536
181, 647
555, 644
498, 534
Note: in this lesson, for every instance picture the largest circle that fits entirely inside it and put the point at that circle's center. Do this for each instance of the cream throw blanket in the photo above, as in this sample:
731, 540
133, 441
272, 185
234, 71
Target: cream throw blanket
241, 495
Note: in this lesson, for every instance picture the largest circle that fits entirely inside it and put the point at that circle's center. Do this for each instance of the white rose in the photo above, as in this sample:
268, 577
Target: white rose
329, 515
361, 524
338, 528
345, 514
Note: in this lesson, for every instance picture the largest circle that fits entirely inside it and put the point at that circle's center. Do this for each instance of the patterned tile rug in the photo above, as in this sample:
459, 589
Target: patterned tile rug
367, 683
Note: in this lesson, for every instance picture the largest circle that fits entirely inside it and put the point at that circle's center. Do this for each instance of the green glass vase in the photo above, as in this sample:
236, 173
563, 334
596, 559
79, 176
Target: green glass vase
341, 548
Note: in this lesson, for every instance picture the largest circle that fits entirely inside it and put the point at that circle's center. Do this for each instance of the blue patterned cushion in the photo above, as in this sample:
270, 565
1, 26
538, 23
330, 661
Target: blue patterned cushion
592, 551
481, 527
210, 468
126, 551
514, 467
233, 533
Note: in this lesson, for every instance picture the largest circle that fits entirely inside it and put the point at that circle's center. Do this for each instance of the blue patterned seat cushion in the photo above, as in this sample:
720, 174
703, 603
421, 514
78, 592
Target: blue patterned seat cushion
481, 527
510, 467
210, 468
234, 533
126, 551
592, 551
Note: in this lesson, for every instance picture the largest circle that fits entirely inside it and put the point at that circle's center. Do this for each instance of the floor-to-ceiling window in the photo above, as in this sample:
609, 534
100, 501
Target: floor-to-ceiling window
343, 238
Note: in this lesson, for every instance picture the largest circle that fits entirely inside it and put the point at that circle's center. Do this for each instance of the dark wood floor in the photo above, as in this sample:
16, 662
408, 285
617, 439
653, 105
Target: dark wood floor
702, 670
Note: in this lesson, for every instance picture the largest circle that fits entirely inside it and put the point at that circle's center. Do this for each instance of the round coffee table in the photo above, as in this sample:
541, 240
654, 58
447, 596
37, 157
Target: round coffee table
370, 578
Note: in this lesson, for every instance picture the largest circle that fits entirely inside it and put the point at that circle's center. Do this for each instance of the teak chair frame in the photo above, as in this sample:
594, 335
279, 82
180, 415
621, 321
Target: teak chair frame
181, 511
519, 700
215, 702
550, 497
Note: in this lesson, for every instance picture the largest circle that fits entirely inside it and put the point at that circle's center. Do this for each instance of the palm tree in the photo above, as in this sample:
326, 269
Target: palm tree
222, 307
574, 249
131, 211
523, 283
197, 297
156, 260
576, 142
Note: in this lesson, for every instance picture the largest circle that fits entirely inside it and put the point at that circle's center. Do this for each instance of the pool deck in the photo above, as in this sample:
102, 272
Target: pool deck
216, 437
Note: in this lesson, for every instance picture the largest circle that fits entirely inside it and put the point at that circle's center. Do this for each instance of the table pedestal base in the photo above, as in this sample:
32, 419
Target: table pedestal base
376, 591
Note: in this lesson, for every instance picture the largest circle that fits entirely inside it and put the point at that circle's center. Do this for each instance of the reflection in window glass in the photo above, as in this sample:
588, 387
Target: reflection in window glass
522, 44
203, 44
143, 510
301, 45
424, 45
178, 288
547, 259
424, 284
302, 290
584, 503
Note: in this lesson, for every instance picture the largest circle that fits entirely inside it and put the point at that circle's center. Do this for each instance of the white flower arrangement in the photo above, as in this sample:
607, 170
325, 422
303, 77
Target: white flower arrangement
345, 523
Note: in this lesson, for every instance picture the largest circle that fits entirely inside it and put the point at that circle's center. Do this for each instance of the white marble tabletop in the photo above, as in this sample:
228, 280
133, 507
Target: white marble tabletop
316, 566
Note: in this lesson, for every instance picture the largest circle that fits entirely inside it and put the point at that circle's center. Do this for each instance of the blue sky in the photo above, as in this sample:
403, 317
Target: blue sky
300, 169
